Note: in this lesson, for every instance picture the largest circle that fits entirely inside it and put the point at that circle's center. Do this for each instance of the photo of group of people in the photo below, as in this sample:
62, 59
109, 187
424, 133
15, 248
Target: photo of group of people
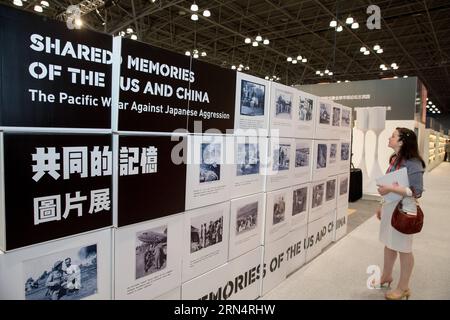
325, 113
333, 152
302, 157
336, 117
210, 162
247, 218
300, 200
343, 186
66, 275
247, 159
206, 230
345, 151
151, 251
321, 156
279, 209
345, 118
306, 109
281, 157
283, 104
317, 195
331, 190
252, 98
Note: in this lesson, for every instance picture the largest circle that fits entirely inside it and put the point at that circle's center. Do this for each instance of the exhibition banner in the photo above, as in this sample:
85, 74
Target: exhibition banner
161, 91
56, 185
151, 183
51, 75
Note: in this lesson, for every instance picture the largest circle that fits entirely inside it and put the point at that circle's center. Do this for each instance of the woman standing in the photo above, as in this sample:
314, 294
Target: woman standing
406, 154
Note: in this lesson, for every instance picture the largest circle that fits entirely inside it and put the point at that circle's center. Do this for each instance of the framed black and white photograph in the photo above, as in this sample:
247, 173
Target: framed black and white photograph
300, 200
343, 186
151, 251
247, 159
318, 194
302, 156
321, 156
66, 275
324, 113
345, 151
210, 162
283, 104
306, 110
336, 117
206, 231
252, 98
333, 152
281, 157
246, 218
279, 209
331, 190
345, 120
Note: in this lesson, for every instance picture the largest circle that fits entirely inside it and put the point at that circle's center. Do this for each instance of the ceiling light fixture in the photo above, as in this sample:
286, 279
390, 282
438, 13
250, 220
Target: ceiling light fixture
18, 3
38, 8
194, 7
355, 25
339, 29
327, 71
187, 53
330, 74
194, 17
294, 61
349, 20
405, 76
363, 49
318, 72
289, 59
299, 57
376, 47
203, 54
129, 30
45, 4
133, 37
347, 81
304, 60
380, 51
248, 40
339, 81
266, 41
266, 77
258, 38
195, 55
333, 24
255, 43
382, 66
366, 53
233, 67
247, 68
207, 13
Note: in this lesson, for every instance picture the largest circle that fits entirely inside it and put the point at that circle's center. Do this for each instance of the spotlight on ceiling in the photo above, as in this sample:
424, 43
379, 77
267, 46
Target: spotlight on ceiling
289, 59
349, 20
355, 25
333, 24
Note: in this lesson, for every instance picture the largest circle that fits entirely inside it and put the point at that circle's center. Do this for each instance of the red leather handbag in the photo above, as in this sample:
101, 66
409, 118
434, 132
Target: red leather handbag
407, 223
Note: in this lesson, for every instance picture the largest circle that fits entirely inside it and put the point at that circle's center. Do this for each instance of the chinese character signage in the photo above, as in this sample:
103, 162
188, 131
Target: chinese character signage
162, 91
53, 76
56, 185
152, 178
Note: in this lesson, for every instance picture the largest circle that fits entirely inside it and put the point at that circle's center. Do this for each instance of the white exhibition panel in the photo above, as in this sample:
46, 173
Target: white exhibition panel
323, 125
344, 154
333, 156
331, 186
174, 294
283, 100
281, 162
305, 115
384, 152
238, 279
341, 222
247, 216
31, 273
336, 114
316, 209
301, 195
278, 214
208, 178
148, 258
275, 264
207, 229
321, 160
252, 102
343, 185
316, 234
329, 220
303, 164
250, 155
296, 252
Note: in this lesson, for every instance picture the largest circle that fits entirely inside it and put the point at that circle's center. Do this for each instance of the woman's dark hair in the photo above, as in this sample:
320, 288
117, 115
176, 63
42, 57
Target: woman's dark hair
409, 148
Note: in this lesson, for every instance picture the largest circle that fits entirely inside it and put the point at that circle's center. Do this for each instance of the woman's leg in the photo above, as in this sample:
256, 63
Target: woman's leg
406, 267
389, 260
